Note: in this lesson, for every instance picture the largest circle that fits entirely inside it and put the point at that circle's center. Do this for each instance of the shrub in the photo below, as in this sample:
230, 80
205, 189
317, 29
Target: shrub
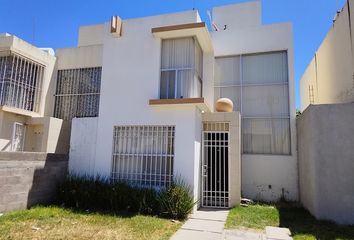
101, 194
177, 201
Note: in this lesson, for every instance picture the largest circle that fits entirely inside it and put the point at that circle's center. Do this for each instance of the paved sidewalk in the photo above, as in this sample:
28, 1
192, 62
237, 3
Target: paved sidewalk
236, 234
206, 224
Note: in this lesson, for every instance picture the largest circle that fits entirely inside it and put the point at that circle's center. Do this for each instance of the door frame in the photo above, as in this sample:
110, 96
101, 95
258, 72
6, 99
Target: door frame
14, 134
203, 176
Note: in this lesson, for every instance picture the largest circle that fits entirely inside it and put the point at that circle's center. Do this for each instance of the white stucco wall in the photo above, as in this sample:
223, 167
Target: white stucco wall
90, 35
80, 57
83, 146
264, 177
130, 78
238, 16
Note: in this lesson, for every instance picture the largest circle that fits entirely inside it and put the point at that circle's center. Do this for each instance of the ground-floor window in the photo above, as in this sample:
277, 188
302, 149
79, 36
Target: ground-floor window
143, 155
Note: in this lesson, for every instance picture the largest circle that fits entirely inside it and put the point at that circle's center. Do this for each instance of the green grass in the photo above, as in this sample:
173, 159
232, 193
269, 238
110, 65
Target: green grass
60, 223
302, 225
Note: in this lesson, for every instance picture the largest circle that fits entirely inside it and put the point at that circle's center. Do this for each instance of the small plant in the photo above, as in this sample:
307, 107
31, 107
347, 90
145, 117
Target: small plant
177, 200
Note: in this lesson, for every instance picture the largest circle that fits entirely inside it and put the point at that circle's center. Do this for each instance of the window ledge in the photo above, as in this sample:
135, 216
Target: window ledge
199, 102
19, 111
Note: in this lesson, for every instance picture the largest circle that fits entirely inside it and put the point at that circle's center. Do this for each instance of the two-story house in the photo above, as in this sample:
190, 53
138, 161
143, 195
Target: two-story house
149, 85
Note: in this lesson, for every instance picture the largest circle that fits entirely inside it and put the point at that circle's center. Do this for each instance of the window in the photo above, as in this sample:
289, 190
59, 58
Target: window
181, 68
78, 93
20, 82
258, 86
143, 155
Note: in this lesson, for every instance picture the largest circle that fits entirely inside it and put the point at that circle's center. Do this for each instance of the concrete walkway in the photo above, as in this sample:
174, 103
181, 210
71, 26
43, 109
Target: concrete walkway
206, 224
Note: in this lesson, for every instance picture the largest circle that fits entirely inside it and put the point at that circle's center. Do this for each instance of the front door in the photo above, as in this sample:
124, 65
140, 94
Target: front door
18, 137
215, 165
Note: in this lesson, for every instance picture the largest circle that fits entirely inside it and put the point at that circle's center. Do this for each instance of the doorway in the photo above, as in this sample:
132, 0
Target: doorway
18, 137
215, 165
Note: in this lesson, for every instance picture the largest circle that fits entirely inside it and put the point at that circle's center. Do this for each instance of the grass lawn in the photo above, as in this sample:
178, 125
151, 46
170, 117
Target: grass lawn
301, 224
59, 223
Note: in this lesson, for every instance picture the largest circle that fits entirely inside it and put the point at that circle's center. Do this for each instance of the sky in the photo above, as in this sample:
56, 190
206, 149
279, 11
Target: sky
55, 23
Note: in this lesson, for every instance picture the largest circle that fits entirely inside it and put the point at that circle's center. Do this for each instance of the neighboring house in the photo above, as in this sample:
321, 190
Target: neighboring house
141, 92
27, 84
329, 78
325, 127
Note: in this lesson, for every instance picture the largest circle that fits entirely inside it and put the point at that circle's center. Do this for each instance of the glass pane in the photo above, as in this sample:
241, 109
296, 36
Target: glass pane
227, 71
177, 53
167, 85
233, 93
186, 85
266, 101
266, 136
198, 59
265, 68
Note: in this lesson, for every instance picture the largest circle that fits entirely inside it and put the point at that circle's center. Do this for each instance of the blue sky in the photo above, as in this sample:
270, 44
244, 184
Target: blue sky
56, 22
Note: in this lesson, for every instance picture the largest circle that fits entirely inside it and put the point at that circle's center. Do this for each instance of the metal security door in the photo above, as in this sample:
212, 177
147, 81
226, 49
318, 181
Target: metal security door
18, 137
215, 169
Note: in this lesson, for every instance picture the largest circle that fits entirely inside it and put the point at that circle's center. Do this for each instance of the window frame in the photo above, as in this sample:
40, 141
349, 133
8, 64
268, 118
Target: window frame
24, 81
68, 93
146, 142
242, 85
177, 70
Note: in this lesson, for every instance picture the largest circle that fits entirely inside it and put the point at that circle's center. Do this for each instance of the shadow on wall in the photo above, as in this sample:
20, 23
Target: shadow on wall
7, 146
301, 223
45, 179
63, 144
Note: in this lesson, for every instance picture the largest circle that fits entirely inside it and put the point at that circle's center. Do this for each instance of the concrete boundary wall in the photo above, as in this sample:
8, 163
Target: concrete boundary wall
28, 179
326, 161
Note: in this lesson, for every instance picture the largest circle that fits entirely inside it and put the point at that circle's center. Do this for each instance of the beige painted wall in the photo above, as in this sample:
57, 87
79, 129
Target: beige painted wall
91, 35
234, 118
6, 128
42, 131
23, 48
326, 161
80, 57
329, 76
86, 55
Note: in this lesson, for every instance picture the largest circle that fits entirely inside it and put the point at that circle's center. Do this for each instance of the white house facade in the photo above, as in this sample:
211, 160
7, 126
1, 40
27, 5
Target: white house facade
160, 77
137, 98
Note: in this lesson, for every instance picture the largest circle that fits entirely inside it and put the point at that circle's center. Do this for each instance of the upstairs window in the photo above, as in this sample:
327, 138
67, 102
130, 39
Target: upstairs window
258, 86
20, 82
181, 68
78, 93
